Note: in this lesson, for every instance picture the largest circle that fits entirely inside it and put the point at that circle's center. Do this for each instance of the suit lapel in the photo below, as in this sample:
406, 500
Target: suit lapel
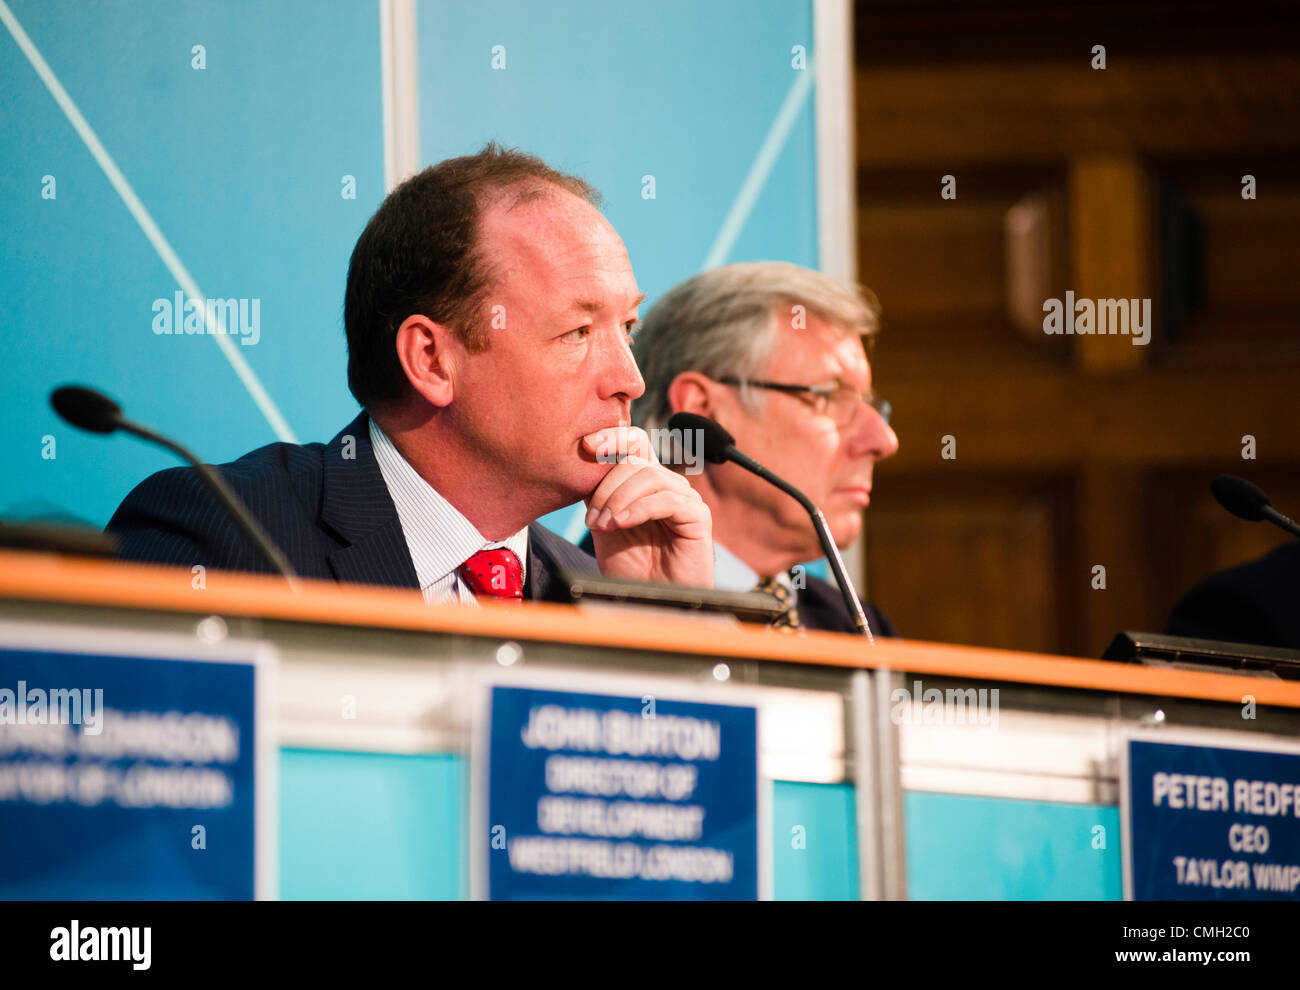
538, 583
357, 508
355, 504
547, 554
821, 607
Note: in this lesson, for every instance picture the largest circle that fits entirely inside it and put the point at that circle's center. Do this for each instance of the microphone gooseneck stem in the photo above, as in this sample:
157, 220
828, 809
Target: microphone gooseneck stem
229, 500
829, 548
841, 576
1277, 519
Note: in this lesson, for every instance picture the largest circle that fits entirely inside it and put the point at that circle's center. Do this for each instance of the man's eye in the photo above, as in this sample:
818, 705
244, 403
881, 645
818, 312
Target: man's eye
578, 334
630, 327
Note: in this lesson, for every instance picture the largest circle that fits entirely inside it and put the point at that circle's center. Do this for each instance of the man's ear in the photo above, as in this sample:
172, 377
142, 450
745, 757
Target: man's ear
428, 353
692, 392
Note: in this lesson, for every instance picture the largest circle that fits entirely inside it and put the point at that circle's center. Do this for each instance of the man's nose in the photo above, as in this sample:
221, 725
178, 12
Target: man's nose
871, 436
620, 378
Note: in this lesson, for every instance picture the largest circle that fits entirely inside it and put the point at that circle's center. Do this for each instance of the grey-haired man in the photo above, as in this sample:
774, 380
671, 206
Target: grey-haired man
774, 353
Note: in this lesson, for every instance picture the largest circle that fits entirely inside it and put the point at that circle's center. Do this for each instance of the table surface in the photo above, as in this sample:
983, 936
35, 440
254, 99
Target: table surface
95, 582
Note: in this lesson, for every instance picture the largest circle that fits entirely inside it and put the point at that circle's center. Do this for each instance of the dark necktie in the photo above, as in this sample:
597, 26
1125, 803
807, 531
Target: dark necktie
496, 574
788, 620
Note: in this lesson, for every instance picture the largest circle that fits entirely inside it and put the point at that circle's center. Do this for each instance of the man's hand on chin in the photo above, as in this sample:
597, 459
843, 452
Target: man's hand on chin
647, 523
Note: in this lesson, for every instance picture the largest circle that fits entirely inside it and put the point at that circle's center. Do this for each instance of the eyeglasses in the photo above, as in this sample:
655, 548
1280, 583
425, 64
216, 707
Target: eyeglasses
839, 402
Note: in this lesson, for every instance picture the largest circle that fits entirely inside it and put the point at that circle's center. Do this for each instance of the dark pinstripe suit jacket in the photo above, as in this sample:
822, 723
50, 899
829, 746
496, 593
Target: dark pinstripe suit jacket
821, 606
331, 514
1257, 602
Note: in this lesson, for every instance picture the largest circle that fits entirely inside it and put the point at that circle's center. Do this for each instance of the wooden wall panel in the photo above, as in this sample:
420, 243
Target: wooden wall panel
1067, 458
939, 264
980, 112
982, 565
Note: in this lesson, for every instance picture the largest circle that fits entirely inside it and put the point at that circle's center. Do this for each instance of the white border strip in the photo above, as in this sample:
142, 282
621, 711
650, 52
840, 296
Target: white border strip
147, 225
837, 200
398, 57
866, 785
261, 654
837, 245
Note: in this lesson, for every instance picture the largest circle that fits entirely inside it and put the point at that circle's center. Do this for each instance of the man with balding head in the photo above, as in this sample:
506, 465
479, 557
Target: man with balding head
774, 353
488, 311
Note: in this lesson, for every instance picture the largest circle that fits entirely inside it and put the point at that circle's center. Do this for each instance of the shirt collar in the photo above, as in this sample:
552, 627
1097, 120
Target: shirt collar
439, 537
730, 573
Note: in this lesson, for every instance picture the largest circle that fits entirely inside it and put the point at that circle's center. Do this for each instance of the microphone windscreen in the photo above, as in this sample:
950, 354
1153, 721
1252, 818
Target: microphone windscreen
87, 409
1239, 497
716, 439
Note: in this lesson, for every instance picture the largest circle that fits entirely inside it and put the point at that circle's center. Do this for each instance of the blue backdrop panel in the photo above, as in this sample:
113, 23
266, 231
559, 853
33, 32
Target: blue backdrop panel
684, 92
979, 848
241, 165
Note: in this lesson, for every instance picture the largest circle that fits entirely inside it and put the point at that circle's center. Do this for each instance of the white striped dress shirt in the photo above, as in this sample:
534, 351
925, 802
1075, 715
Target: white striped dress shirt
439, 537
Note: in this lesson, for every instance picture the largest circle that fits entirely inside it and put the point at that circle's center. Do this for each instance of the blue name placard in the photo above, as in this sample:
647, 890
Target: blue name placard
608, 797
131, 767
1211, 823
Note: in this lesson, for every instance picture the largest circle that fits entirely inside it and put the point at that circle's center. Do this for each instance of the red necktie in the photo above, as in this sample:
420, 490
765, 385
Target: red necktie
494, 573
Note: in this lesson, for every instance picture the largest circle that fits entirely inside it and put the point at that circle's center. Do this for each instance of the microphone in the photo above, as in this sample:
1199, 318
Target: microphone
97, 413
720, 446
1247, 501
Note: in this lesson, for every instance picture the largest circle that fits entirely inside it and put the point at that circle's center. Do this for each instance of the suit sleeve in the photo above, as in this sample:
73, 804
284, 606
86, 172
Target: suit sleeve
1217, 609
172, 518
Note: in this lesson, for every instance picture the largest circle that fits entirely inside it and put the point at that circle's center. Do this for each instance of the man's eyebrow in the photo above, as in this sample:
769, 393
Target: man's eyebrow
595, 305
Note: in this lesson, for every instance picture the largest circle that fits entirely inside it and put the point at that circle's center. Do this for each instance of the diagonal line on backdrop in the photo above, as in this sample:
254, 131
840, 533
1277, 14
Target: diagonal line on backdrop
762, 166
147, 225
